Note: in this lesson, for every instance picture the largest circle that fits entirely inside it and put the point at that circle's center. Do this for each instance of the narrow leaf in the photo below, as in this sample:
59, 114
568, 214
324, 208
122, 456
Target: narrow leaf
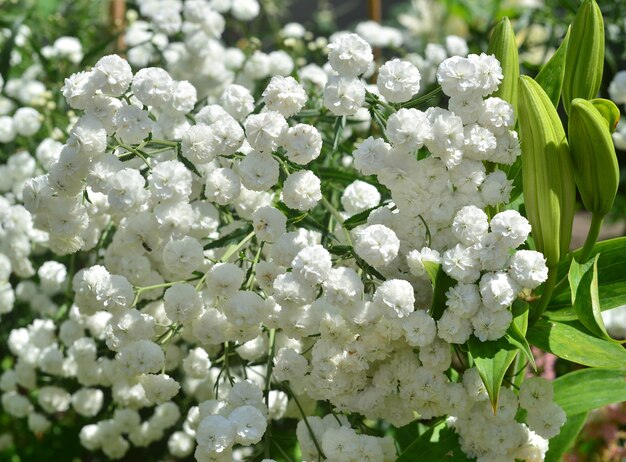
571, 341
359, 218
438, 443
229, 238
611, 273
516, 336
585, 299
550, 76
492, 359
588, 389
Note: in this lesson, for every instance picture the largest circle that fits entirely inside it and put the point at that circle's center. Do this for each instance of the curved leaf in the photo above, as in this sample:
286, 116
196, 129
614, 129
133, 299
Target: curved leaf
611, 273
550, 76
438, 443
588, 389
584, 285
493, 358
571, 341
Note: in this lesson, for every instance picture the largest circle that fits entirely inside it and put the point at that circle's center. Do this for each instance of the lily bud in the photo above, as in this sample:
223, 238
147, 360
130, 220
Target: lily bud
608, 110
585, 55
503, 46
547, 172
593, 155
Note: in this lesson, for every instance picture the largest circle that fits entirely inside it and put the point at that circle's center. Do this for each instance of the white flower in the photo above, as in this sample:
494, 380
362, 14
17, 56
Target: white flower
302, 190
216, 433
511, 227
182, 303
152, 86
344, 95
237, 101
269, 223
312, 265
303, 143
408, 129
224, 279
222, 186
258, 171
398, 81
395, 297
249, 424
359, 196
350, 55
470, 225
113, 75
528, 268
376, 244
284, 95
265, 131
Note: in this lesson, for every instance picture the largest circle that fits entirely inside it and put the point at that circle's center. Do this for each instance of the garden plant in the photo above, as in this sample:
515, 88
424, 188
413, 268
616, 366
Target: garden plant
219, 243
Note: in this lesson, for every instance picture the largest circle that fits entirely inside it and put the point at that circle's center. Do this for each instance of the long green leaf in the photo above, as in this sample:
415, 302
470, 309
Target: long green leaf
584, 285
611, 273
516, 336
550, 76
565, 439
588, 389
493, 358
9, 44
571, 341
439, 443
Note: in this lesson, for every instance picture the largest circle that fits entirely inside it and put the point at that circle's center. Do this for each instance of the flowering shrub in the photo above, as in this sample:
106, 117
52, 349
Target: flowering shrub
238, 243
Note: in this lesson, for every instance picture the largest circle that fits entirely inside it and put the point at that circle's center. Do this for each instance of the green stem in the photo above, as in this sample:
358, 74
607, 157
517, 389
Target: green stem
337, 216
541, 305
592, 237
268, 380
320, 453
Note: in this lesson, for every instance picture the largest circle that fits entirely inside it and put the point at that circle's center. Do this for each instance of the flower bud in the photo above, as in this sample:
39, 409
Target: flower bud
608, 110
547, 172
585, 55
503, 46
593, 155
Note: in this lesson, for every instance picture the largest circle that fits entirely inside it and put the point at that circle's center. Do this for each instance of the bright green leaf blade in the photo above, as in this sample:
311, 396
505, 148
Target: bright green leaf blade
571, 341
438, 443
550, 76
565, 439
442, 282
588, 389
359, 218
492, 359
432, 269
611, 279
516, 336
584, 285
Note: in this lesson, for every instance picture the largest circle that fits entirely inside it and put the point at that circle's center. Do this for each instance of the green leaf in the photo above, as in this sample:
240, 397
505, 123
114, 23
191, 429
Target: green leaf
516, 333
565, 439
340, 124
611, 273
229, 238
441, 283
439, 443
359, 218
550, 76
588, 389
571, 341
584, 285
492, 359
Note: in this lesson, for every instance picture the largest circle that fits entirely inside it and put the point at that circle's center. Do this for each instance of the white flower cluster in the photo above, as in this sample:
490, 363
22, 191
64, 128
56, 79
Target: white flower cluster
195, 210
488, 435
